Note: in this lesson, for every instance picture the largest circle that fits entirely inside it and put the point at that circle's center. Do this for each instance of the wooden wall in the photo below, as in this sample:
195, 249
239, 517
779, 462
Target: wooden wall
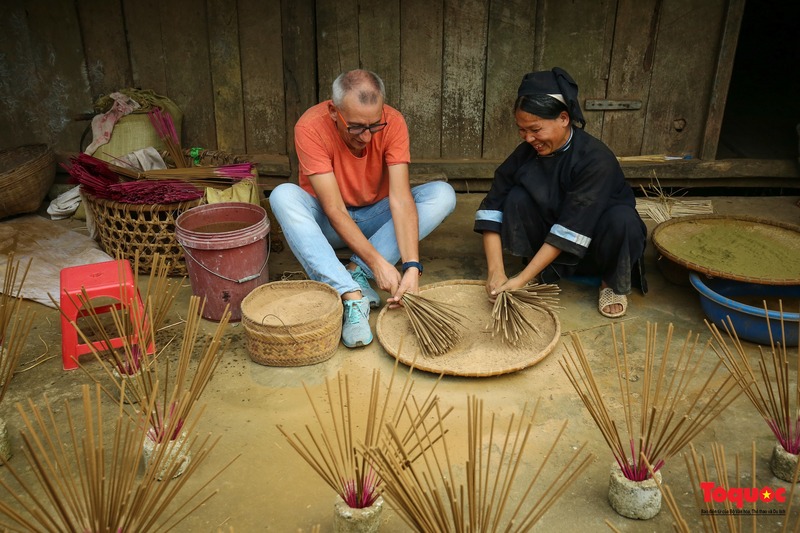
242, 71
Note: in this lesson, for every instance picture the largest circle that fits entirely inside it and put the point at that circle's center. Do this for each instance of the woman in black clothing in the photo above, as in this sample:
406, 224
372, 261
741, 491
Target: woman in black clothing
561, 200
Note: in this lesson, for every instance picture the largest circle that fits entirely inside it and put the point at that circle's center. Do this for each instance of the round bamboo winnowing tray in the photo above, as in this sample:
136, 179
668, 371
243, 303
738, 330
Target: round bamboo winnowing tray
292, 323
477, 354
736, 248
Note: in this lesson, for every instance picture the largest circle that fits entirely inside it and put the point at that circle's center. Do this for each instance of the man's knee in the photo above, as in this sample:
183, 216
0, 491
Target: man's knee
283, 197
445, 195
436, 193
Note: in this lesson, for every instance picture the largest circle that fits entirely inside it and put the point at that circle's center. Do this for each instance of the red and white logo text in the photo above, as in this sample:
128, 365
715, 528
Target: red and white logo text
739, 496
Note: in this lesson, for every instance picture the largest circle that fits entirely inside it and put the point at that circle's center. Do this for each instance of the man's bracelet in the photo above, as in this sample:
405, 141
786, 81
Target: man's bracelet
412, 264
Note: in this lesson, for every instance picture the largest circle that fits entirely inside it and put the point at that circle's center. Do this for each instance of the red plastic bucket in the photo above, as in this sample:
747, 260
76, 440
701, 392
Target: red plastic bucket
226, 253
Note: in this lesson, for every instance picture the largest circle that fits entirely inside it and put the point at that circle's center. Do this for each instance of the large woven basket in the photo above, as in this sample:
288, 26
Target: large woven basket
125, 229
26, 174
150, 229
292, 323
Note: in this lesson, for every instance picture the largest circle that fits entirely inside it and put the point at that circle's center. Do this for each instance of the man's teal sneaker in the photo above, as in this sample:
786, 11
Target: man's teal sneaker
368, 292
355, 323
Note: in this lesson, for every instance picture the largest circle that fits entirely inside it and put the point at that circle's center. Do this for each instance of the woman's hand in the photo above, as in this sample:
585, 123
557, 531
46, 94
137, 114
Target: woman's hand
493, 282
511, 284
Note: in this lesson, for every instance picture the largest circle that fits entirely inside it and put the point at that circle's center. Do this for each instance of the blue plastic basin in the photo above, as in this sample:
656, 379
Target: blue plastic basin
717, 299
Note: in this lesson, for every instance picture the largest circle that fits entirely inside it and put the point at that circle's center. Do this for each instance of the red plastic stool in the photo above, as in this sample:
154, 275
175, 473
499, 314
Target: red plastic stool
100, 280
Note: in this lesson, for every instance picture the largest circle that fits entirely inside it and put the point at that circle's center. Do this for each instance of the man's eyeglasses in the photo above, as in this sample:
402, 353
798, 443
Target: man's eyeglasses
358, 130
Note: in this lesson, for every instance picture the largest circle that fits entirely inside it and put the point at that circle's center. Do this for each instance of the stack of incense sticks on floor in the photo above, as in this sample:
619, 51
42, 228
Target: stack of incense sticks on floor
509, 320
343, 424
15, 325
436, 325
674, 401
95, 484
488, 492
660, 207
772, 390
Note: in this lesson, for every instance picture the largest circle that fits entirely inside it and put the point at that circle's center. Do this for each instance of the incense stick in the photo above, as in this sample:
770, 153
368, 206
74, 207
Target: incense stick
89, 481
173, 395
436, 325
15, 325
509, 319
429, 494
332, 448
675, 404
769, 389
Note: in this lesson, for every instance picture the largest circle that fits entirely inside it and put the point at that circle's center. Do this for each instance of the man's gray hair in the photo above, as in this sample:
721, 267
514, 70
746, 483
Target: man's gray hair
368, 84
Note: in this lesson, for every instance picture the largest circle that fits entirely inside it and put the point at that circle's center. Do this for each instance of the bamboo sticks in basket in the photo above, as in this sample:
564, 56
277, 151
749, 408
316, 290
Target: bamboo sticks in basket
509, 320
437, 325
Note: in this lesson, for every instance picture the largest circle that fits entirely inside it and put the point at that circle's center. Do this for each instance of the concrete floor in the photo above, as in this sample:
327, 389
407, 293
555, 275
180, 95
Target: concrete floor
270, 488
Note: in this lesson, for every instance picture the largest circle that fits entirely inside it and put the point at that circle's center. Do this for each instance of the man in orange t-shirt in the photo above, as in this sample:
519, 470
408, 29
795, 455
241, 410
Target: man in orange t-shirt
354, 191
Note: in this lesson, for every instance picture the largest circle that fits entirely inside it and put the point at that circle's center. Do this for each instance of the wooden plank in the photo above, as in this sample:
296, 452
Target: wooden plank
59, 89
465, 27
270, 164
103, 32
299, 65
226, 74
144, 25
262, 75
18, 66
187, 73
577, 37
337, 41
379, 43
722, 78
630, 73
421, 74
682, 78
691, 170
509, 58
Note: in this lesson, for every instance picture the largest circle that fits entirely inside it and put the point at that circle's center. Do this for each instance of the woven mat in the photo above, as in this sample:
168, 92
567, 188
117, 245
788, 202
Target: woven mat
478, 354
733, 247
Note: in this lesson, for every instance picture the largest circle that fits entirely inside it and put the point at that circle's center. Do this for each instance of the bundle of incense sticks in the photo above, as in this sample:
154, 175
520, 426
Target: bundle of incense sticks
433, 494
673, 404
173, 396
165, 129
15, 325
437, 325
772, 390
110, 181
508, 314
343, 424
94, 482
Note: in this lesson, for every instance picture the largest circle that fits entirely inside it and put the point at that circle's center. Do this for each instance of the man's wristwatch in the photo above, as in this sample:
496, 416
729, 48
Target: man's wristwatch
412, 264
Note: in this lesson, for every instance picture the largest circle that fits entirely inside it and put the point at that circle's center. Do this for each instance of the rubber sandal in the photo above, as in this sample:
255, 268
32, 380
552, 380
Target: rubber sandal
608, 297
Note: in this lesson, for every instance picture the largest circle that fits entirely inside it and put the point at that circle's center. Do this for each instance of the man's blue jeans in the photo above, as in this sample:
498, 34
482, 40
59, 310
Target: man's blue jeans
312, 238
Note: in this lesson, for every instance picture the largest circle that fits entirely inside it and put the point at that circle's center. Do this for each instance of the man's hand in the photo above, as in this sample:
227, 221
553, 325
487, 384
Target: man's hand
408, 283
386, 275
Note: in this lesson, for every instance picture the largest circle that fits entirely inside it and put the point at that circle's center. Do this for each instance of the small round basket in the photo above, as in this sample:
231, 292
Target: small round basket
26, 174
150, 229
292, 323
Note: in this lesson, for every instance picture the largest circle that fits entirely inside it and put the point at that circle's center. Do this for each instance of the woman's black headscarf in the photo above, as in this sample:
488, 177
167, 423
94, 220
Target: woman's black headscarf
556, 81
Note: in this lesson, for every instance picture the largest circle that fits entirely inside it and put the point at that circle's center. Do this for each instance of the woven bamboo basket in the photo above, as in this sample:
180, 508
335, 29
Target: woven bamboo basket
26, 174
125, 229
292, 323
150, 229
